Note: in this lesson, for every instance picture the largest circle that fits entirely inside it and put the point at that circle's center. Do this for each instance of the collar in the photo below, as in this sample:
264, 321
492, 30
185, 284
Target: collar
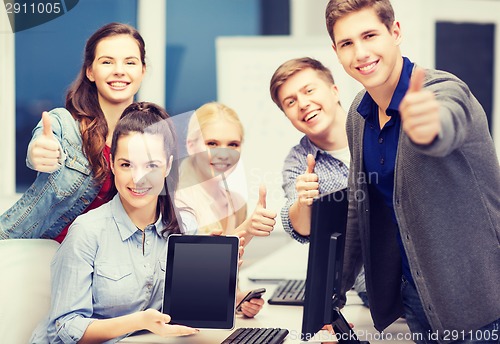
367, 104
310, 147
125, 226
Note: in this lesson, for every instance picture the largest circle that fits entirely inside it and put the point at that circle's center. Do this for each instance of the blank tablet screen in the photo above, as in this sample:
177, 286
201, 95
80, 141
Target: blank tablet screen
200, 282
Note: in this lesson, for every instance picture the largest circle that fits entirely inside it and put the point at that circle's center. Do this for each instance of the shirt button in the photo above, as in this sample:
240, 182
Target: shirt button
381, 140
147, 242
382, 161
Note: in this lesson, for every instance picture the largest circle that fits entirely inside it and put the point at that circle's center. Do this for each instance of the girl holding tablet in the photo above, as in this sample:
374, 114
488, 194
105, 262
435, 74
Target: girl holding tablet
108, 274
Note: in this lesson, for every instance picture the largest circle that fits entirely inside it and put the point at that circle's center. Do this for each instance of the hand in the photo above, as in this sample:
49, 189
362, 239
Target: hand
157, 323
241, 249
262, 220
329, 328
44, 152
251, 308
307, 185
420, 111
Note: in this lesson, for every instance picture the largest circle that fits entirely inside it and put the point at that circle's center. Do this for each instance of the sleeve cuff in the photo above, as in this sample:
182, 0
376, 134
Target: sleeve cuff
72, 331
287, 226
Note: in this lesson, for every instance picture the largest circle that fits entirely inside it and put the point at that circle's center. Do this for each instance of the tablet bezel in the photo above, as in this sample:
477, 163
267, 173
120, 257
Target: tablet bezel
177, 239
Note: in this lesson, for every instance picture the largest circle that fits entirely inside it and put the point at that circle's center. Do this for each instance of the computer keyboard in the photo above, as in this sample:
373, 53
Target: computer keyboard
257, 336
289, 292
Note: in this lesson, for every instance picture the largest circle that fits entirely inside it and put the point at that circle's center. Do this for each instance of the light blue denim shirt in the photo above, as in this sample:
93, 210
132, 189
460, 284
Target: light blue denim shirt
54, 199
105, 268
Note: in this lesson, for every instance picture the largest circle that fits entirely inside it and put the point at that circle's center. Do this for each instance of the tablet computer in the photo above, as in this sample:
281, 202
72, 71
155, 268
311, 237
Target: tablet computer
200, 280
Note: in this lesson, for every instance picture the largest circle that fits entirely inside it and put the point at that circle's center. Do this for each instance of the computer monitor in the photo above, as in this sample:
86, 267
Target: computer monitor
324, 268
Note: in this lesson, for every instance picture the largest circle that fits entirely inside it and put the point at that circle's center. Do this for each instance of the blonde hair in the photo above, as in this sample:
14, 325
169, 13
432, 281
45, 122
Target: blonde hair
205, 115
208, 114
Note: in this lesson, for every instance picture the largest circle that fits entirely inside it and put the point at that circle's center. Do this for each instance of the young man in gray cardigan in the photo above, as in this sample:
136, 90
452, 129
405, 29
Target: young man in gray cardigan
424, 184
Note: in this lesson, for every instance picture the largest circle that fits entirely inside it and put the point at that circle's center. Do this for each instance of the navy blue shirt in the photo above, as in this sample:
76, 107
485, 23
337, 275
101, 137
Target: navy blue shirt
380, 147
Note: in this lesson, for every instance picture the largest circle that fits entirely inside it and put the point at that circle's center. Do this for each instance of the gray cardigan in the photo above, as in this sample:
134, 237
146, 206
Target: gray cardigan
447, 203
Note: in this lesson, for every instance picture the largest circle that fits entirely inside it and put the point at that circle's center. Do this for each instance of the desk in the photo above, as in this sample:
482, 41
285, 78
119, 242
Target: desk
289, 317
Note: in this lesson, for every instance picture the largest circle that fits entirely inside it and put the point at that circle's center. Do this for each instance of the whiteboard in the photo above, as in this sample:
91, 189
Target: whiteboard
245, 66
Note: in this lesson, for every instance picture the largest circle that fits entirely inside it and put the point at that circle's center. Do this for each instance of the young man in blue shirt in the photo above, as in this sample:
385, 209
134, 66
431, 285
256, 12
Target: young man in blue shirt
428, 223
305, 91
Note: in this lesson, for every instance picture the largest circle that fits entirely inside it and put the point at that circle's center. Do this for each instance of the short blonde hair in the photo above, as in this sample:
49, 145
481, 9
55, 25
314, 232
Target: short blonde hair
292, 67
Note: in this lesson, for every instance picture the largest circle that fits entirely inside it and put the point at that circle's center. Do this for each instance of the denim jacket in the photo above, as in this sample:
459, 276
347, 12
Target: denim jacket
54, 199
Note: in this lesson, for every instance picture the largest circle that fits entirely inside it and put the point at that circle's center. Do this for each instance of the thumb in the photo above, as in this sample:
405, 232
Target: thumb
310, 163
262, 196
47, 126
417, 80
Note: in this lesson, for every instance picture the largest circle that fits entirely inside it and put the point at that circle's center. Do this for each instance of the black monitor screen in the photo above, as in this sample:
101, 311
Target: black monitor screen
324, 268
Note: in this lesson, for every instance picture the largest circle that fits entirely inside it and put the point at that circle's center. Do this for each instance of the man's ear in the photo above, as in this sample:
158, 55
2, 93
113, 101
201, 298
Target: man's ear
397, 33
90, 74
334, 47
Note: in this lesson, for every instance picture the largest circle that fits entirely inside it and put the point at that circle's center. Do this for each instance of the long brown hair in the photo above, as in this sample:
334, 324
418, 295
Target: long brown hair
82, 101
149, 118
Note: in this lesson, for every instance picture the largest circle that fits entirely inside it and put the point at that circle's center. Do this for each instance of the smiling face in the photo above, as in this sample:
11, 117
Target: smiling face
368, 51
140, 166
310, 103
117, 70
217, 150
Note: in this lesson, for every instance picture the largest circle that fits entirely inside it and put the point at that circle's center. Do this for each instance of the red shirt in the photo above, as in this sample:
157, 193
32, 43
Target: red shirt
99, 200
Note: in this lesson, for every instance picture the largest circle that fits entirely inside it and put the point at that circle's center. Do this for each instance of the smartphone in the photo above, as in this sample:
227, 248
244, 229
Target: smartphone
252, 294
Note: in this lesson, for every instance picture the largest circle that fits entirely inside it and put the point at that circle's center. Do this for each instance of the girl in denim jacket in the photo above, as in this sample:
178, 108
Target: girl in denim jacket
70, 146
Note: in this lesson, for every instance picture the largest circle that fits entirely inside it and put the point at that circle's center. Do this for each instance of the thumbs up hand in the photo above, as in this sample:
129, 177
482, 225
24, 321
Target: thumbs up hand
262, 220
307, 185
44, 151
419, 111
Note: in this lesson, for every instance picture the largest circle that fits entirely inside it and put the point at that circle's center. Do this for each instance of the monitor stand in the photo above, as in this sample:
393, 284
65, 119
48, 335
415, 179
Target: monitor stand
343, 331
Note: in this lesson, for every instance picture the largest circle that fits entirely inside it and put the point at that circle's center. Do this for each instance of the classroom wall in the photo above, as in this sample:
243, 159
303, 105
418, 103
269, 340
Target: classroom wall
192, 27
